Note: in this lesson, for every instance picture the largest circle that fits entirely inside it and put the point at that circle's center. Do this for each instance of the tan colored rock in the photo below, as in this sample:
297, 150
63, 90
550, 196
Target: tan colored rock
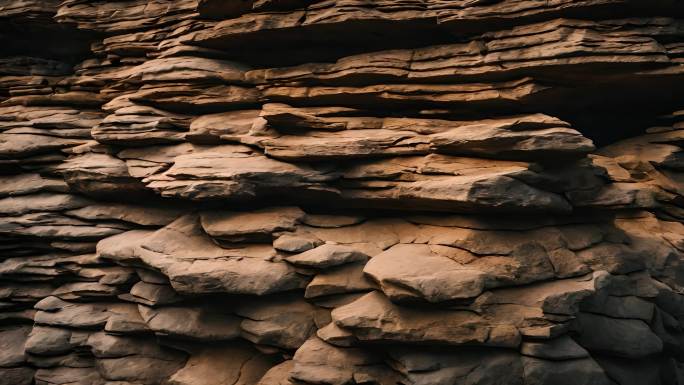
331, 221
68, 375
413, 272
146, 161
447, 183
233, 172
138, 214
555, 297
326, 138
185, 69
143, 125
348, 278
132, 369
296, 242
321, 363
151, 294
128, 322
59, 227
195, 265
30, 183
327, 255
99, 175
191, 322
210, 128
237, 364
335, 335
48, 266
15, 144
85, 290
501, 95
12, 345
55, 312
185, 98
341, 192
329, 19
278, 375
44, 202
285, 322
374, 318
506, 51
255, 226
115, 18
123, 247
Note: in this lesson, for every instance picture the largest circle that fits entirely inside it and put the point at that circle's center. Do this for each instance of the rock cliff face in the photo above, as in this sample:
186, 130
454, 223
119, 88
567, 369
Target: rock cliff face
338, 192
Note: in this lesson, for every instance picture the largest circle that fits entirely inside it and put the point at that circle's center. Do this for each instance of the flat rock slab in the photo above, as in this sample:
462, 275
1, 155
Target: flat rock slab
374, 318
252, 226
195, 265
327, 255
237, 364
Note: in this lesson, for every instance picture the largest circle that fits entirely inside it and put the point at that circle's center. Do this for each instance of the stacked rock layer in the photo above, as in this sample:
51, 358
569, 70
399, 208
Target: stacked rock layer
338, 192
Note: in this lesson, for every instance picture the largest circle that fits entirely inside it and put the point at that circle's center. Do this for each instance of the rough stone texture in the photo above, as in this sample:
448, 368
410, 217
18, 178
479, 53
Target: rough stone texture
340, 192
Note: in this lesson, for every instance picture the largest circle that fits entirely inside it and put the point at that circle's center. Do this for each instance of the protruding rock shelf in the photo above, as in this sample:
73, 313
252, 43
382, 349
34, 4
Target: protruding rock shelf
341, 192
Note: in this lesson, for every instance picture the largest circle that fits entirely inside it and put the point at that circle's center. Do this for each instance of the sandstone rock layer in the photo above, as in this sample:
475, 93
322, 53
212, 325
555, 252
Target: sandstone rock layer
340, 192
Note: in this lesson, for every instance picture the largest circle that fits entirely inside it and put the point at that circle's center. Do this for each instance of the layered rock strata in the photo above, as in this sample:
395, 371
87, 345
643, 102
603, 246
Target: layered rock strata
337, 192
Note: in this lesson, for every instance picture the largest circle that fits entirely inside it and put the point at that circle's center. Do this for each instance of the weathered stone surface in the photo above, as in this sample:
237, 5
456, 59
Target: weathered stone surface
622, 337
452, 183
195, 265
12, 345
507, 51
30, 183
296, 243
483, 95
341, 192
17, 376
133, 359
321, 363
466, 366
328, 255
55, 312
563, 348
139, 215
285, 322
66, 375
374, 318
233, 172
410, 271
210, 128
326, 138
151, 294
331, 221
122, 247
223, 366
582, 371
54, 341
201, 323
325, 20
250, 227
348, 278
40, 203
278, 375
